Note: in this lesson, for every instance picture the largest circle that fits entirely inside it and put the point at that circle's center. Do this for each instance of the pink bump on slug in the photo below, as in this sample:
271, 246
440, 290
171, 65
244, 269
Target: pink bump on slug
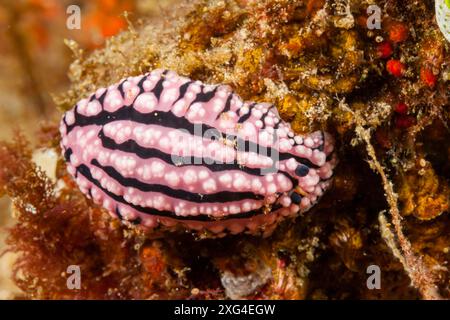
160, 149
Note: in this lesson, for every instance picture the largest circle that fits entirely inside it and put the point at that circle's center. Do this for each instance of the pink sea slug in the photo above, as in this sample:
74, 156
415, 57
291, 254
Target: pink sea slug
161, 149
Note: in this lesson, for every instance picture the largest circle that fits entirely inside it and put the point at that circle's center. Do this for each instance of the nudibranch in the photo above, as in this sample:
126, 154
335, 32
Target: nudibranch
163, 150
443, 17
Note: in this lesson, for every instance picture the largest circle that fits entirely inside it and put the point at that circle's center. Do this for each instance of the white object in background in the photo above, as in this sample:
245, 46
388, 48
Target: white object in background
443, 17
46, 159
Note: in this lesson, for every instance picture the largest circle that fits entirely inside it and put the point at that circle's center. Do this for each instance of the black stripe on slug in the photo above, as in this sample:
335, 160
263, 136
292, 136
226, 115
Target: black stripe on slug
84, 170
101, 99
67, 154
264, 116
227, 106
168, 119
119, 215
221, 197
120, 88
158, 89
141, 88
140, 85
247, 115
136, 221
276, 125
183, 89
131, 146
204, 96
64, 120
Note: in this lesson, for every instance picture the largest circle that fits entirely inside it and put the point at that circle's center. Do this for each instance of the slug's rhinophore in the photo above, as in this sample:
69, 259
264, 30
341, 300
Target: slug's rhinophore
163, 149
